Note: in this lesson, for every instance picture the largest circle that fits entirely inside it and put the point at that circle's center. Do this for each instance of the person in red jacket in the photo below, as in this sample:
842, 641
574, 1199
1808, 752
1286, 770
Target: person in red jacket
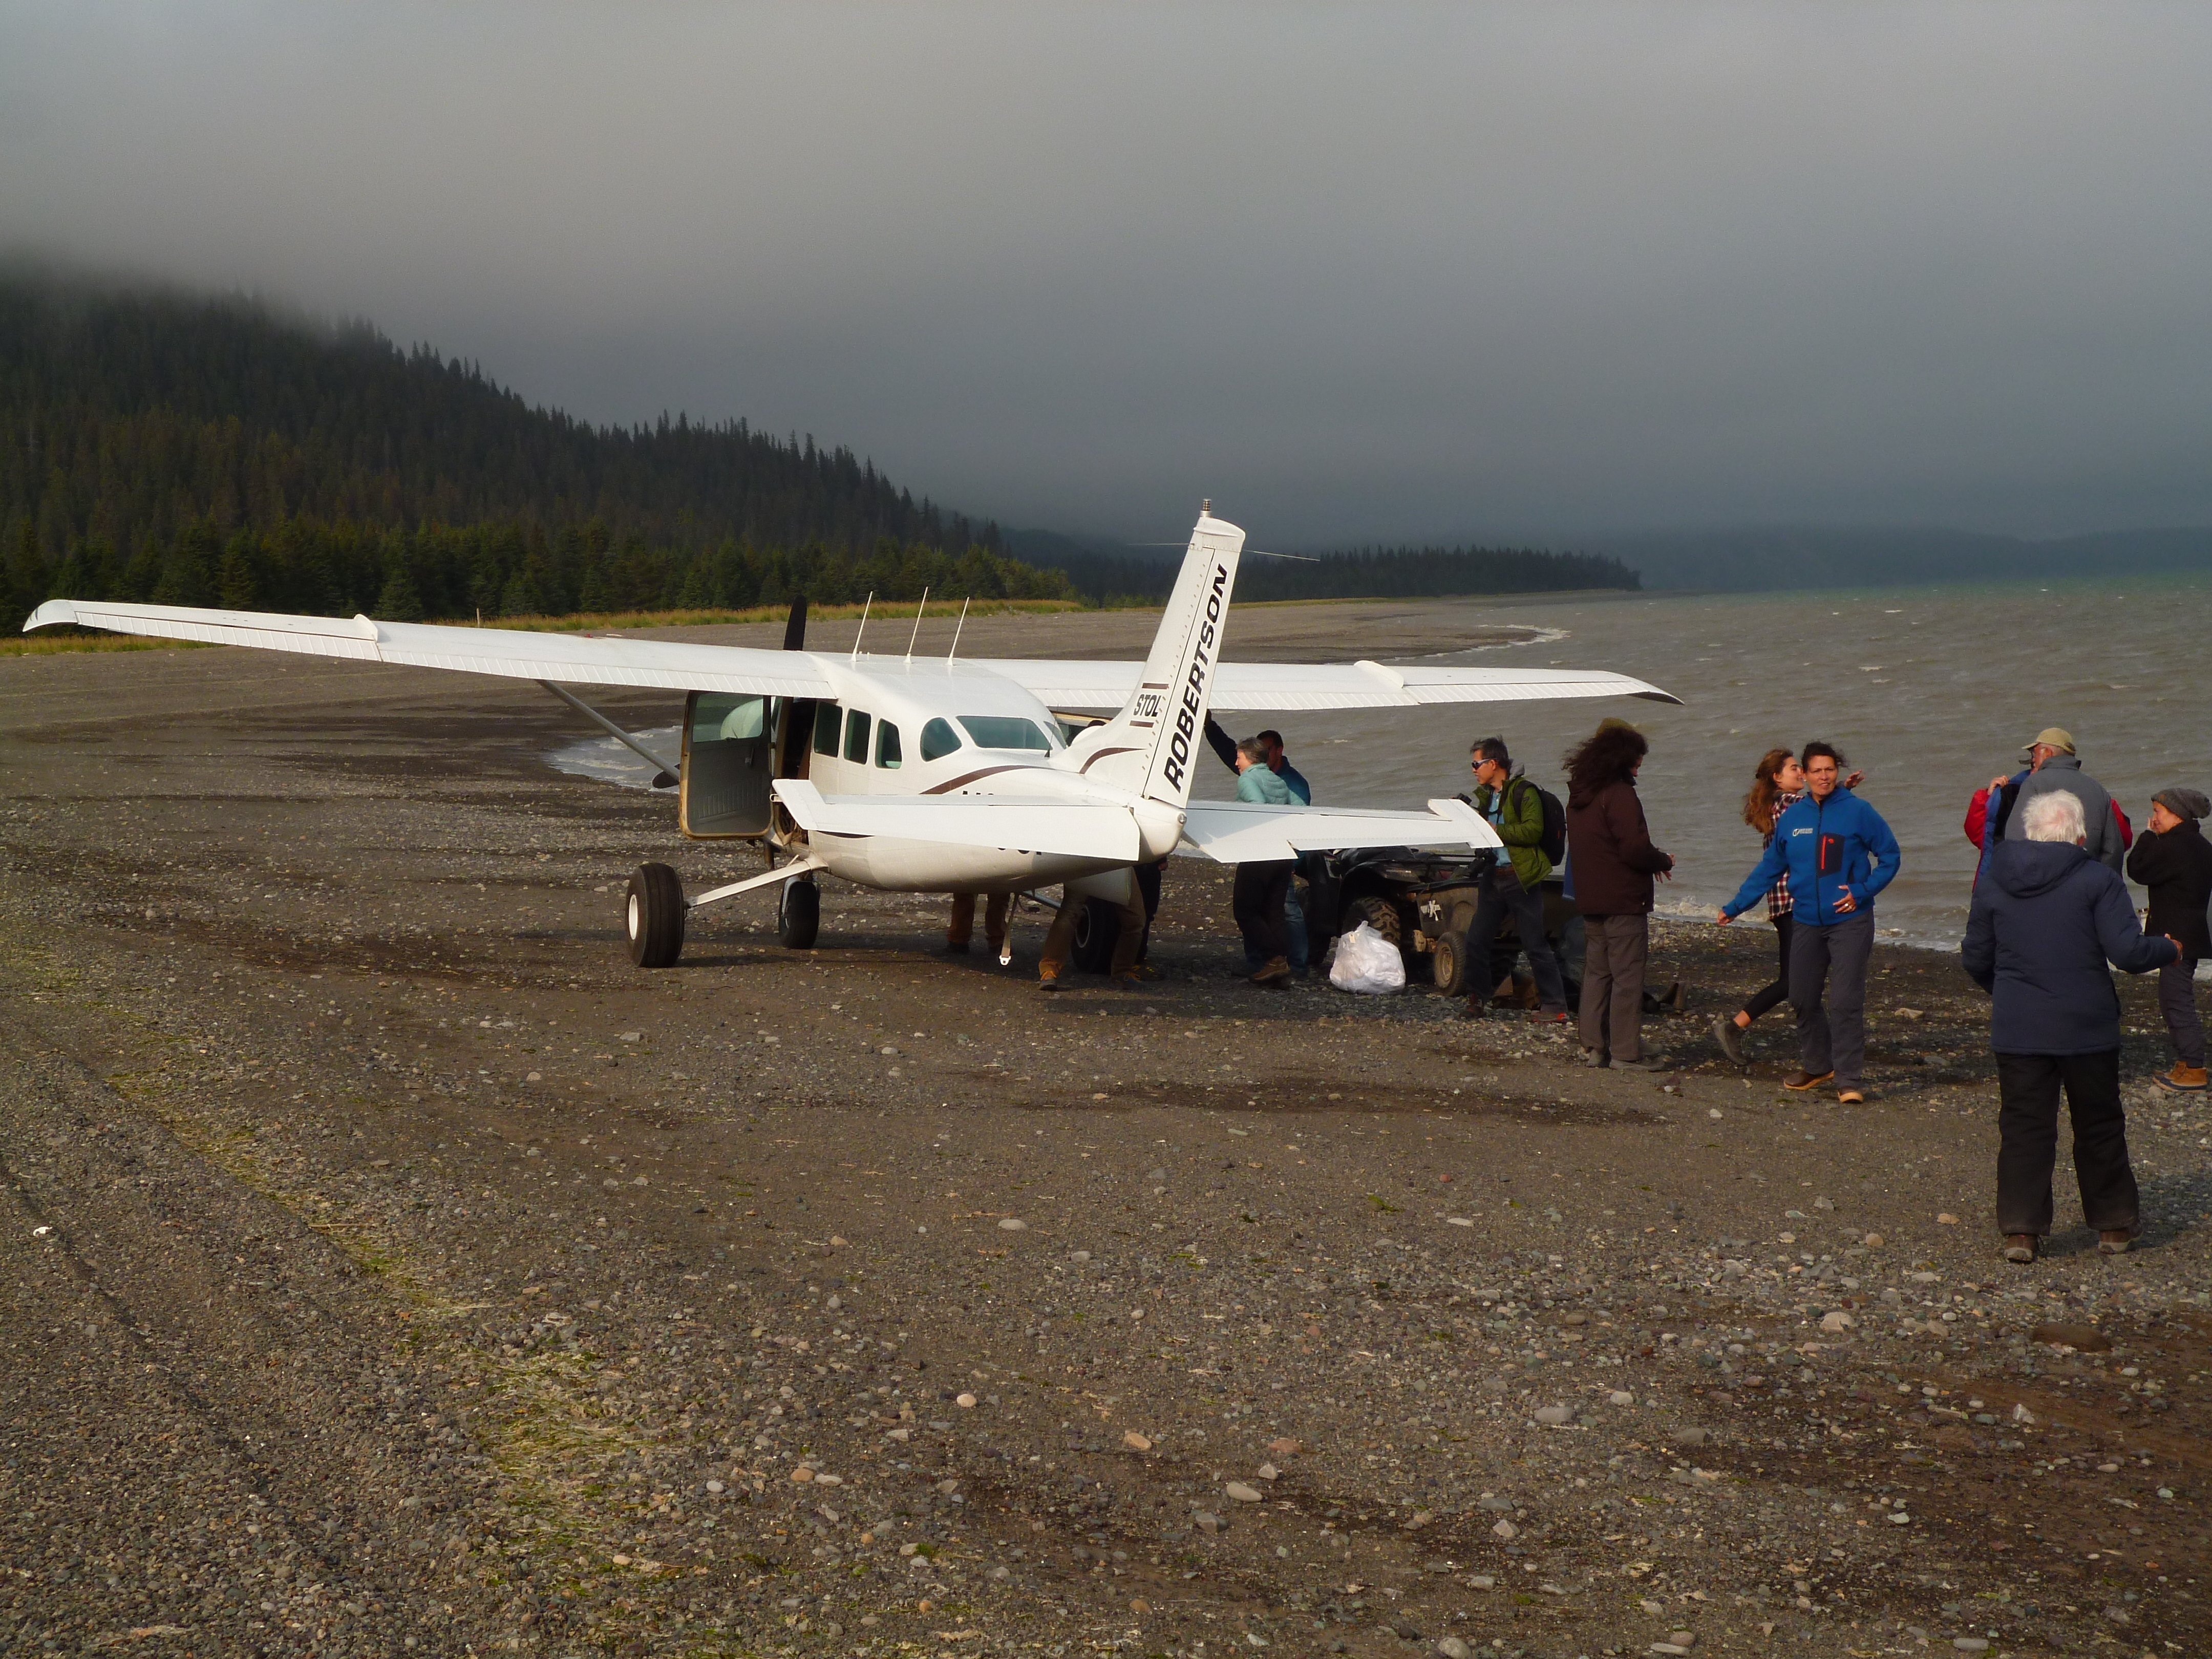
1614, 863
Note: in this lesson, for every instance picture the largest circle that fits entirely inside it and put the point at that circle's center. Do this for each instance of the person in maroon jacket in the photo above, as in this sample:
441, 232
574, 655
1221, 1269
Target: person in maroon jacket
1614, 862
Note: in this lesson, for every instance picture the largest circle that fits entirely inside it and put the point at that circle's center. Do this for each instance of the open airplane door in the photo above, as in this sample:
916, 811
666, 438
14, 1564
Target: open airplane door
729, 758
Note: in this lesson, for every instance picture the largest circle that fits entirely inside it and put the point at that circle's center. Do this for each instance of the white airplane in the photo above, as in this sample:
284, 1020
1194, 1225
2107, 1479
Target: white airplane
932, 777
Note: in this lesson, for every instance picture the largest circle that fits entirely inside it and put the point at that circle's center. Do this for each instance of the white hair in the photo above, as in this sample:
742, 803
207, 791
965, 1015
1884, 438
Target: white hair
2054, 817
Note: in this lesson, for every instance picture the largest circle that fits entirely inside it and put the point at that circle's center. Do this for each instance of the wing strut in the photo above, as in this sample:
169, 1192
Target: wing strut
666, 778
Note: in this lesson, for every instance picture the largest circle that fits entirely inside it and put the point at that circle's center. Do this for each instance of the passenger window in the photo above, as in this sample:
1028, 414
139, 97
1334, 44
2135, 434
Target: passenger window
939, 739
829, 720
856, 735
887, 745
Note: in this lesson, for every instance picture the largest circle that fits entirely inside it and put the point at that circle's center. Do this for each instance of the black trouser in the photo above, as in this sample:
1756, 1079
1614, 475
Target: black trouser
1778, 993
2177, 1000
2027, 1140
1831, 1011
1501, 894
1148, 889
1257, 899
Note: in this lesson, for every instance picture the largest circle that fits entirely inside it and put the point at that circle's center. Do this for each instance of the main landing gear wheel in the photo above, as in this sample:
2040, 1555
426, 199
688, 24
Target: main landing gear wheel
653, 916
798, 914
1097, 926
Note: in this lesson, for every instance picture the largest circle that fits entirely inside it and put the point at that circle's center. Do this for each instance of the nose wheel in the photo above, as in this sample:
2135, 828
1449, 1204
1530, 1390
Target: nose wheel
653, 916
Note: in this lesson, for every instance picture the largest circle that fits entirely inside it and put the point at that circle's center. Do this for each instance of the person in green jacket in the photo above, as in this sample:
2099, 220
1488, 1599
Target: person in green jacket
1511, 803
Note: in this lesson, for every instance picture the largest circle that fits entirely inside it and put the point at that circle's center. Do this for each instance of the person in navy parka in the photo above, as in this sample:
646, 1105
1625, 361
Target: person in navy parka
2046, 918
1837, 853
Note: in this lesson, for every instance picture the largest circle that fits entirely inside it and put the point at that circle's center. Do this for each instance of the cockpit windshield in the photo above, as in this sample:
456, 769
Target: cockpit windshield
1007, 731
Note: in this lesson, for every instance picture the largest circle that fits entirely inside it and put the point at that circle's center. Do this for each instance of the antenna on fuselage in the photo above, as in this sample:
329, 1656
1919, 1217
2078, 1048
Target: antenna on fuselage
916, 635
863, 628
958, 626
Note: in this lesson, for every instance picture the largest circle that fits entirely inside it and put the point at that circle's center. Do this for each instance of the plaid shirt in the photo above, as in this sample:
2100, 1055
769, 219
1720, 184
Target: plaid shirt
1778, 897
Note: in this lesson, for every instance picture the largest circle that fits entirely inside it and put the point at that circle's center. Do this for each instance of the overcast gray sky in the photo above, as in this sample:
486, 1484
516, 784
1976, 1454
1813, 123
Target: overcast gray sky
1357, 271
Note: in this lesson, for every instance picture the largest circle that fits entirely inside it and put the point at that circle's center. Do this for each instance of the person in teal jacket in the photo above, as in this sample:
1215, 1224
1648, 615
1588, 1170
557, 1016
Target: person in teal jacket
1837, 853
1256, 896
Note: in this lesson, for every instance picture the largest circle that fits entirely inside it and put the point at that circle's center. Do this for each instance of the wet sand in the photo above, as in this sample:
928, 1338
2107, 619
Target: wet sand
415, 1270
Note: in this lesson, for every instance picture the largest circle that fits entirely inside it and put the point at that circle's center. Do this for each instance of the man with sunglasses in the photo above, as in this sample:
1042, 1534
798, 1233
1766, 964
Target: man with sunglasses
1513, 887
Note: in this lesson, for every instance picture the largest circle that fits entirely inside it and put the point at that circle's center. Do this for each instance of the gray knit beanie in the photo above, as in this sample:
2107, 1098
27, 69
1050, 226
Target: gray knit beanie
2184, 803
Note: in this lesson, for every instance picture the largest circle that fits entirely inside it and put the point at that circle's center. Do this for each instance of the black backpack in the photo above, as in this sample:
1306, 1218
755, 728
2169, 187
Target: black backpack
1554, 846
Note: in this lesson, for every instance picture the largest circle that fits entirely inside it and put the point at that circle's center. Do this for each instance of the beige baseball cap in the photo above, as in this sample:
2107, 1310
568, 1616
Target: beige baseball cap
2051, 737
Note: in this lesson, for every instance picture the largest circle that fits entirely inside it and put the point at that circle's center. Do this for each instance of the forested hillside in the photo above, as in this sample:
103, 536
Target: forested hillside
187, 449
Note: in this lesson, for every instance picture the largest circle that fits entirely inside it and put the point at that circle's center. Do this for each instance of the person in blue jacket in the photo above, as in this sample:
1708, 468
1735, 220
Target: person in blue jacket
1837, 853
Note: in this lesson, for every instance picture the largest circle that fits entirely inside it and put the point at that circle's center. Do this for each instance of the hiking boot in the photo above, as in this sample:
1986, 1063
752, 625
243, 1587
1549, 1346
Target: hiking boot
1591, 1057
2116, 1241
1800, 1081
1049, 976
2182, 1079
1552, 1017
1730, 1035
1851, 1095
1675, 999
956, 947
1274, 973
2021, 1248
1474, 1008
1641, 1063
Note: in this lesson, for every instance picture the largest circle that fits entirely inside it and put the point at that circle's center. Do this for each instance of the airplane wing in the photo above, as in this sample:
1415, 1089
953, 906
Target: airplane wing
572, 659
1233, 832
1072, 828
1257, 687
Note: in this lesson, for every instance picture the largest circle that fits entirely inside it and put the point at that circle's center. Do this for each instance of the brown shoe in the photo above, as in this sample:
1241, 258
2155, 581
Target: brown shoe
2021, 1248
1802, 1081
1851, 1096
2116, 1241
1047, 977
1274, 973
2182, 1079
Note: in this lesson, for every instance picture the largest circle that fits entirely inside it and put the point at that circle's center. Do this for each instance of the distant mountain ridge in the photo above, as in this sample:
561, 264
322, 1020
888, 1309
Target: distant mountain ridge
1107, 571
1843, 557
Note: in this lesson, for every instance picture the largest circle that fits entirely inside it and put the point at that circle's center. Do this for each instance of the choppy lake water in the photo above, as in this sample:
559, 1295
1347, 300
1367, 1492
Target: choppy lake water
1930, 690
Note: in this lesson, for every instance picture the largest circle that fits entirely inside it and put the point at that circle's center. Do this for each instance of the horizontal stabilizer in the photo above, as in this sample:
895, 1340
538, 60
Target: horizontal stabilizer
1238, 832
1017, 824
1258, 687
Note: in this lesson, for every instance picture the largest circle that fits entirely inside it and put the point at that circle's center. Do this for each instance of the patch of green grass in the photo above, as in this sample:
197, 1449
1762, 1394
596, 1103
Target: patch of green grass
45, 643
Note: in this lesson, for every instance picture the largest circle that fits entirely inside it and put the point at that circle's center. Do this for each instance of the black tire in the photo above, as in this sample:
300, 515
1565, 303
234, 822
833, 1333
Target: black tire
1097, 926
1447, 963
653, 916
799, 915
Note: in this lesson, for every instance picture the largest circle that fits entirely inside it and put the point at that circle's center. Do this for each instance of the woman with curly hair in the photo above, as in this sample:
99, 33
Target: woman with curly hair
1776, 784
1614, 862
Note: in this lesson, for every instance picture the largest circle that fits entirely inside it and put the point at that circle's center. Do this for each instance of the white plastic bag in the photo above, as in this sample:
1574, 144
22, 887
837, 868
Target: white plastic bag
1367, 963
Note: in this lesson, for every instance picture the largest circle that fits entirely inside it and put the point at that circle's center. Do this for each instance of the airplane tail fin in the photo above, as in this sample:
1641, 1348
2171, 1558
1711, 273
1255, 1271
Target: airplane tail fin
1166, 714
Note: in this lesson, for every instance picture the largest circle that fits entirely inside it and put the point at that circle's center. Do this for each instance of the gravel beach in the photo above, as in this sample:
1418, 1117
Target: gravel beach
389, 1266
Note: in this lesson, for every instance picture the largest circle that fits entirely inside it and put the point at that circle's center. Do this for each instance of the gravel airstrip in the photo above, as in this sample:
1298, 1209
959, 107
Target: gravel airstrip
389, 1267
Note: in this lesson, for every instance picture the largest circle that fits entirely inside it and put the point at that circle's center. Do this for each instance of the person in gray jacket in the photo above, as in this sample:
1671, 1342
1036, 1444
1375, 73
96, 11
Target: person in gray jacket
2053, 765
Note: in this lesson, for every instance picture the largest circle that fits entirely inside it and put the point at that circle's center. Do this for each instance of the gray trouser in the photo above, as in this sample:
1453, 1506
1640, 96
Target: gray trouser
1614, 954
2177, 1000
1828, 986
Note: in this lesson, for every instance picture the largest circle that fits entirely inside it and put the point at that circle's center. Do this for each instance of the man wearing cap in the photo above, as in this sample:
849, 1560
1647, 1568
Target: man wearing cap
2053, 765
2174, 861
